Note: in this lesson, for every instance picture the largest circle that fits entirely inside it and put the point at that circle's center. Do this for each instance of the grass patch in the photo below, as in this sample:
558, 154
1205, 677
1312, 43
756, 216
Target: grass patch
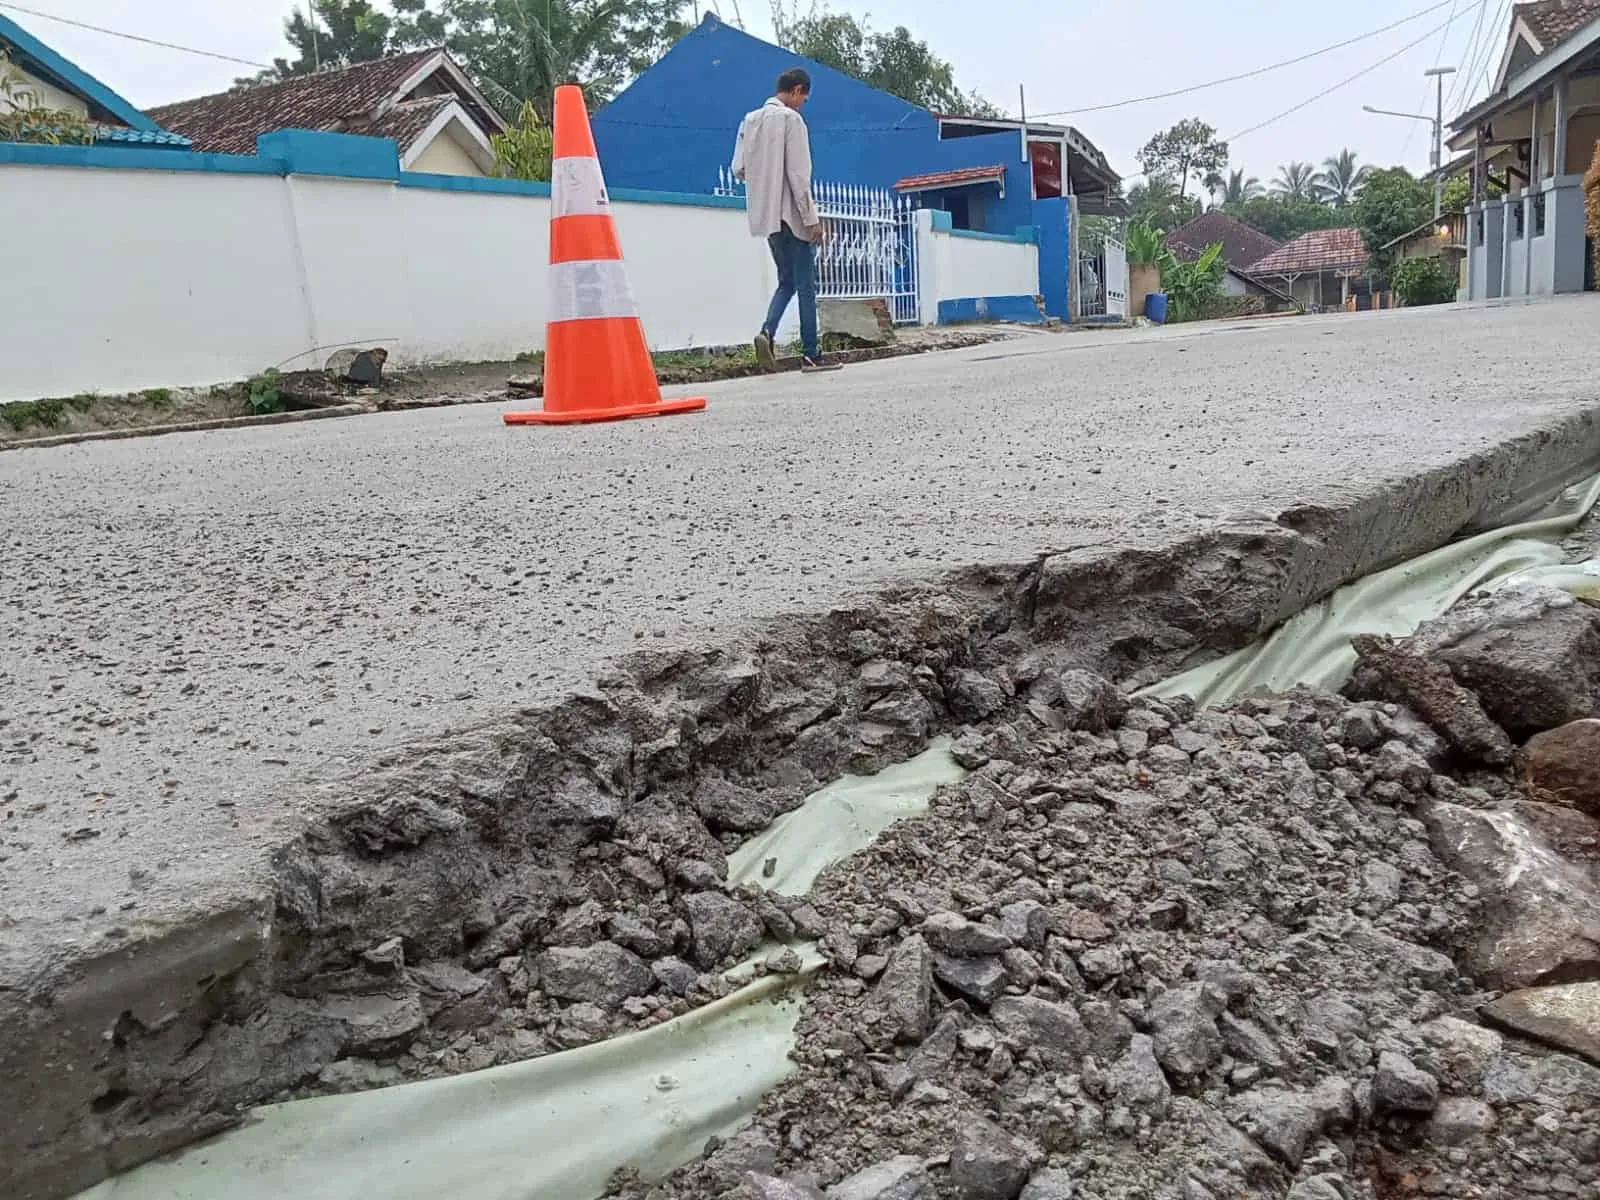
532, 358
157, 397
698, 360
263, 393
84, 401
20, 414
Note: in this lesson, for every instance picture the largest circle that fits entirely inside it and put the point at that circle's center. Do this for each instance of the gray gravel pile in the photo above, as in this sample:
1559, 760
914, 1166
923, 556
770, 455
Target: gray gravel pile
1145, 952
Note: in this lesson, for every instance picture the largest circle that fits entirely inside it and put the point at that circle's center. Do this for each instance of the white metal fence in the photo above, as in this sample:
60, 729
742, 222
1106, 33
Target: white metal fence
869, 250
1103, 279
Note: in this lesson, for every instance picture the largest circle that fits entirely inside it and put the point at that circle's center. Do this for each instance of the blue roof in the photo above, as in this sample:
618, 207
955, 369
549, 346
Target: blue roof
39, 58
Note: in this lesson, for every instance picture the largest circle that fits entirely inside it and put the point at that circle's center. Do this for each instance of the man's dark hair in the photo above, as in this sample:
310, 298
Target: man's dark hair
794, 78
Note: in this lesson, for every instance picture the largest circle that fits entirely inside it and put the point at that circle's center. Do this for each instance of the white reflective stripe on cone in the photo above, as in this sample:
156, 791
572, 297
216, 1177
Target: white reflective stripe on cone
587, 291
577, 188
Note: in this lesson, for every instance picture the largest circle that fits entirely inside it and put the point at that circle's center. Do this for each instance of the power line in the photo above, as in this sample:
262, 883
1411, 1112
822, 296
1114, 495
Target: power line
1345, 82
1470, 52
132, 37
1438, 57
1288, 62
1485, 59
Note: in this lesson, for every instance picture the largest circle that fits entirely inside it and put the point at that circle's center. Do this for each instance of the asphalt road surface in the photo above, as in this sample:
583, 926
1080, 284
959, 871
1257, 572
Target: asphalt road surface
194, 622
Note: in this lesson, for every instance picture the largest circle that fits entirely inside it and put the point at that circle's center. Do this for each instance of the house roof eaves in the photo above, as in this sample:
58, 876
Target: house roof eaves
75, 77
1536, 74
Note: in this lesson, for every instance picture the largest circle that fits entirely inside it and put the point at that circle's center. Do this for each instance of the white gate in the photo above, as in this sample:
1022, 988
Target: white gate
1103, 280
1116, 278
869, 251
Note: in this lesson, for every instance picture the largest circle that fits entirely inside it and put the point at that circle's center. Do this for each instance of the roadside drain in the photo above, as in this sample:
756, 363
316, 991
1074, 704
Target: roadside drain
558, 1127
579, 878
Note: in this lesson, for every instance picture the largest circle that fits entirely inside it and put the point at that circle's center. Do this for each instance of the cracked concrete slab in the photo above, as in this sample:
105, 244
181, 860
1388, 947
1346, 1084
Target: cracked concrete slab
196, 623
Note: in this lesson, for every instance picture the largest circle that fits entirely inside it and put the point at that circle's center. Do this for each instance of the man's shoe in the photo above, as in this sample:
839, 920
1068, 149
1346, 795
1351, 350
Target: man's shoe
813, 366
764, 353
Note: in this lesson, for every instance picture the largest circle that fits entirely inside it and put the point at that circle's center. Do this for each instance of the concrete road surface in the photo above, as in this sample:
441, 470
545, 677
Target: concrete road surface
193, 622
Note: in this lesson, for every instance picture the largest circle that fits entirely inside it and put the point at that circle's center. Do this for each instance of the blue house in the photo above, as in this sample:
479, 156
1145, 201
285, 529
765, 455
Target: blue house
673, 130
53, 82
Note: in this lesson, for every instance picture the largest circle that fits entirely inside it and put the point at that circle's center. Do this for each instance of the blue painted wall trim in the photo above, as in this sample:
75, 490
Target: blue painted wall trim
303, 152
1027, 235
346, 155
1020, 310
943, 222
137, 158
76, 78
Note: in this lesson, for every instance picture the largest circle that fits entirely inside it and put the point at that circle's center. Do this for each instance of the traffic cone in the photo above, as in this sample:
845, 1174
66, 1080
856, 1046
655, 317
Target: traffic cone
597, 364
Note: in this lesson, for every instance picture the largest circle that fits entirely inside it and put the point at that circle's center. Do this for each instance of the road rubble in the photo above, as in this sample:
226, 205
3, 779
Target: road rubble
1144, 951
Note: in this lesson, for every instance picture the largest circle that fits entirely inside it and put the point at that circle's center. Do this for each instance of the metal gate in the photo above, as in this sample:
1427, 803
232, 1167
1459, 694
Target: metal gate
869, 251
1103, 280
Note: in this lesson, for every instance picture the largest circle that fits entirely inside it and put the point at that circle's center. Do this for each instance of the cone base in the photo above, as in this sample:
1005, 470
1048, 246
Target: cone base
665, 408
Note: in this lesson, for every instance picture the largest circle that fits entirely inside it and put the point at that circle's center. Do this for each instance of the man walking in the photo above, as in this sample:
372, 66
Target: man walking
773, 159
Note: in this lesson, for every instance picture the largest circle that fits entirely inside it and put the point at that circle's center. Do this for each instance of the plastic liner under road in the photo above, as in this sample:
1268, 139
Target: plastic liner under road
1314, 647
558, 1127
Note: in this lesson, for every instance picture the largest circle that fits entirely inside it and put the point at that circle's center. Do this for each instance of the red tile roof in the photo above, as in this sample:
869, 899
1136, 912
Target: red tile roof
1242, 246
331, 101
1319, 250
1553, 21
951, 178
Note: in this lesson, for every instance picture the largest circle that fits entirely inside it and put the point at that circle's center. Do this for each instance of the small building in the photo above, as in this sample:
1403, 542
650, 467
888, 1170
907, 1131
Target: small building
1534, 135
53, 82
673, 130
1242, 248
423, 100
1445, 238
1319, 269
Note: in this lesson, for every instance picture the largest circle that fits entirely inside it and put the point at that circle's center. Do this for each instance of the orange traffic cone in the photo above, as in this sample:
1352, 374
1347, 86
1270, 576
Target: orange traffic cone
596, 362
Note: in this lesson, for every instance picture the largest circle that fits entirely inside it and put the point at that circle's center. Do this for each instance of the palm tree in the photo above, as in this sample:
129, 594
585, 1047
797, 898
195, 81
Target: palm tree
1340, 179
1213, 184
1240, 188
1296, 181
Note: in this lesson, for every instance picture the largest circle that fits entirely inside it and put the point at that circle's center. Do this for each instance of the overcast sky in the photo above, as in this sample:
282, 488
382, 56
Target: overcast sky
1068, 53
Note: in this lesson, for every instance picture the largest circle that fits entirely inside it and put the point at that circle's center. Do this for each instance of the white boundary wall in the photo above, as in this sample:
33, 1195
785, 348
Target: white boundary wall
126, 279
957, 265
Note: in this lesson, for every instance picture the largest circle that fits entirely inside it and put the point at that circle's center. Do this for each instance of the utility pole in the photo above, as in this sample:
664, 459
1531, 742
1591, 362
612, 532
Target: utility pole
1437, 121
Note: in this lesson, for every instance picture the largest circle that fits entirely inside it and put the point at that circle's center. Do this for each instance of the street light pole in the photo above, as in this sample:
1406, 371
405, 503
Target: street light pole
1437, 121
1438, 140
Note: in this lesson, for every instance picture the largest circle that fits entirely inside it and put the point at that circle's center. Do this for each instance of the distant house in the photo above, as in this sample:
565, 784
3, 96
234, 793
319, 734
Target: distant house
1242, 248
673, 130
423, 100
1535, 135
1445, 238
53, 82
1319, 269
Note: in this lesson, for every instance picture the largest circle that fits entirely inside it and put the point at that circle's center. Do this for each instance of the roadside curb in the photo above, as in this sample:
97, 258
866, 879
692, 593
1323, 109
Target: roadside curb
111, 435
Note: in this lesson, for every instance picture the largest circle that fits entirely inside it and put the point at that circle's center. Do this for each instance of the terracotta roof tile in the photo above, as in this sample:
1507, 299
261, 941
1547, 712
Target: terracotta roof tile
1553, 21
1242, 246
951, 178
230, 122
1319, 250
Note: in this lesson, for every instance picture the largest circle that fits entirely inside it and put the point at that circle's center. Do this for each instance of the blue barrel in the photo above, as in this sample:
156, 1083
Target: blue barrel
1155, 307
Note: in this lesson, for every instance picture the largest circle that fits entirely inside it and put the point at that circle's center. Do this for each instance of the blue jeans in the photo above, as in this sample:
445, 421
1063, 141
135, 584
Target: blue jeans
796, 259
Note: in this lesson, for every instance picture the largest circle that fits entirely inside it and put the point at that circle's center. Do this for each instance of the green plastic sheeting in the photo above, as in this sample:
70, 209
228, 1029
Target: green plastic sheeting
556, 1128
1314, 647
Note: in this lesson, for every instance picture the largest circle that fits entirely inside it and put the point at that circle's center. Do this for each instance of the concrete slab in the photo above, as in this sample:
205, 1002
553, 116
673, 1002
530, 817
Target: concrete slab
195, 622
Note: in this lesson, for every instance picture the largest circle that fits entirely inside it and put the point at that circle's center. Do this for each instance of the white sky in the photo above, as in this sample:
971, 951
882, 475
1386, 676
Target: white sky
1068, 54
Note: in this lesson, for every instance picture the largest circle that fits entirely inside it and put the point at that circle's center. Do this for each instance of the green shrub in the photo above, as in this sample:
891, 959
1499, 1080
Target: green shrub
157, 397
263, 394
1419, 281
1194, 286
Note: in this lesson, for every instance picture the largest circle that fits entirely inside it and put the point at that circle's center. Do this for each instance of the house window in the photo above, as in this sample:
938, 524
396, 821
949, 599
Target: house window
1478, 235
960, 210
1519, 218
1538, 214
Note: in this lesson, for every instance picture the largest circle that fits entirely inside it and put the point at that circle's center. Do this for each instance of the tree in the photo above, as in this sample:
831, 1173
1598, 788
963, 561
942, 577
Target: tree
1189, 150
893, 62
1238, 188
1296, 181
523, 151
1458, 192
1283, 219
519, 50
1156, 202
1419, 281
340, 32
1393, 203
1340, 179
